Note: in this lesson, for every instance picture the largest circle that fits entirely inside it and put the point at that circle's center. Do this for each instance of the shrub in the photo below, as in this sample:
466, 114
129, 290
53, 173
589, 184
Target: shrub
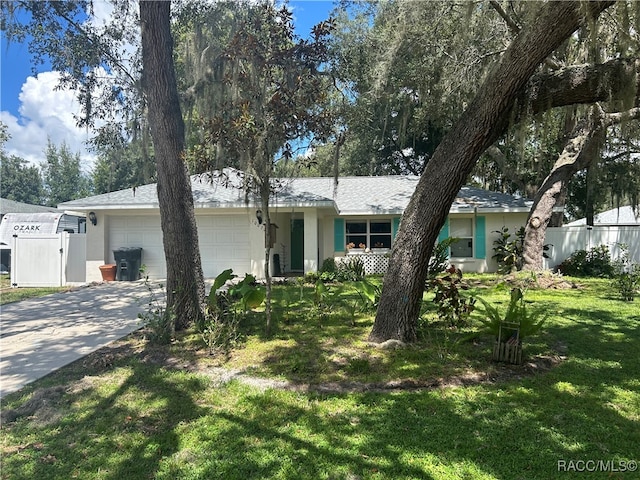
628, 283
350, 269
327, 272
626, 278
328, 265
219, 329
593, 263
508, 251
158, 320
453, 307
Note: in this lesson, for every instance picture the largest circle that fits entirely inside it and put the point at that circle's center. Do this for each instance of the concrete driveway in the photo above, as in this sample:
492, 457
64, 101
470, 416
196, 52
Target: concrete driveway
40, 335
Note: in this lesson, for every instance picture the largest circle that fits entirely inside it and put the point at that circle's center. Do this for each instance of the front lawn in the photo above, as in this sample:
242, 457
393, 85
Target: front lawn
9, 295
338, 408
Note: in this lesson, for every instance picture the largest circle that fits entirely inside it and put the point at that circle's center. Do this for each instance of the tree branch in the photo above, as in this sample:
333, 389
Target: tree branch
509, 173
92, 39
514, 28
582, 84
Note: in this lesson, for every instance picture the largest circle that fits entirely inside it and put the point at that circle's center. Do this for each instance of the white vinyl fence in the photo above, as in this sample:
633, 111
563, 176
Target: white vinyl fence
52, 260
564, 241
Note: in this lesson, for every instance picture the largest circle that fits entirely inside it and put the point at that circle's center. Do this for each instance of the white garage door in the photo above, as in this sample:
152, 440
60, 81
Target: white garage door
224, 242
139, 231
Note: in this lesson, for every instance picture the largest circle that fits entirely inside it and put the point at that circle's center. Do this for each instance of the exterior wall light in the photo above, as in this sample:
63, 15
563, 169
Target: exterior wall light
92, 218
259, 216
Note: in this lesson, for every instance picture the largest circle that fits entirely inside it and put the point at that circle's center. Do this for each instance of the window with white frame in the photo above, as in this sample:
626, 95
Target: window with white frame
368, 233
462, 229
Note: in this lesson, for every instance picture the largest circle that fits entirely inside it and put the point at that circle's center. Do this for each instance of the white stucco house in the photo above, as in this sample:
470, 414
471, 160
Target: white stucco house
612, 228
313, 221
624, 216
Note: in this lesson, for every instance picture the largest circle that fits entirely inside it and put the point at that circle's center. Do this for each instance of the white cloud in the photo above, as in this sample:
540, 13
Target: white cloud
46, 112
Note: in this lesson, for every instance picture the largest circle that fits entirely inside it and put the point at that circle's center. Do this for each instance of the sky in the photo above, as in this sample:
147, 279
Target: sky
35, 110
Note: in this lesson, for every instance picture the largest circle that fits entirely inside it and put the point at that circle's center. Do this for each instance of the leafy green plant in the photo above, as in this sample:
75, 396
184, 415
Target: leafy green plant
300, 281
626, 277
328, 269
222, 336
369, 294
440, 257
309, 277
595, 262
453, 307
350, 269
628, 283
325, 298
517, 313
251, 296
158, 321
220, 326
320, 293
508, 251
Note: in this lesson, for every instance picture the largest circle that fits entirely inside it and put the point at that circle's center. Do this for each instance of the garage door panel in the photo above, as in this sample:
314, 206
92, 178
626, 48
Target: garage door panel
224, 243
223, 240
139, 231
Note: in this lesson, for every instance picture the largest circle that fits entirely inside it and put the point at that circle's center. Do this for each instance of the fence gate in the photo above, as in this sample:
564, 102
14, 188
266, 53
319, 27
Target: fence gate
37, 261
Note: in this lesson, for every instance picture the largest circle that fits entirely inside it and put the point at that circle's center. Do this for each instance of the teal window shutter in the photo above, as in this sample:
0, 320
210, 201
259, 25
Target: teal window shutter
481, 237
444, 231
395, 226
339, 244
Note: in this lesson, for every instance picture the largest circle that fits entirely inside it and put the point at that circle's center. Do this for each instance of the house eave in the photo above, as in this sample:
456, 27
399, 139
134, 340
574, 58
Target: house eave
203, 206
493, 210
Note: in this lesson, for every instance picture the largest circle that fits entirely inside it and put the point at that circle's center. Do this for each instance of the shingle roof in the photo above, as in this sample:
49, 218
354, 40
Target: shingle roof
11, 206
617, 216
354, 195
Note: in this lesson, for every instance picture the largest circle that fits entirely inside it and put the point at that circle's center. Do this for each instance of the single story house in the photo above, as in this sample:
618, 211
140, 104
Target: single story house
619, 217
11, 206
311, 221
612, 228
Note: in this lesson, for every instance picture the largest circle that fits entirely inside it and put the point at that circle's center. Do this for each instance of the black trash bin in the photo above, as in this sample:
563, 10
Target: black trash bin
128, 261
277, 271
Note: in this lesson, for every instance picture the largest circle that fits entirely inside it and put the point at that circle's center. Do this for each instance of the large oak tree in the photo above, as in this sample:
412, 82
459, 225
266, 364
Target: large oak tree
482, 123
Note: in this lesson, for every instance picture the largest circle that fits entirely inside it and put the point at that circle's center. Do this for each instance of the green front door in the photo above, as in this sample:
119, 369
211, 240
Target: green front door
297, 245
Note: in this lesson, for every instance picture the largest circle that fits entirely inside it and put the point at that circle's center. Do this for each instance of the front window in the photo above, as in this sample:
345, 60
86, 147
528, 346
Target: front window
462, 229
369, 233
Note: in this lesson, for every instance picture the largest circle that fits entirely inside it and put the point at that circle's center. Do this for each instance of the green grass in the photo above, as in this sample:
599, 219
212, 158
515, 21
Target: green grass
9, 295
131, 417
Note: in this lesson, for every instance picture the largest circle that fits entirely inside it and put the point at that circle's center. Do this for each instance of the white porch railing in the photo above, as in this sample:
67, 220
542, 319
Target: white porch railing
375, 262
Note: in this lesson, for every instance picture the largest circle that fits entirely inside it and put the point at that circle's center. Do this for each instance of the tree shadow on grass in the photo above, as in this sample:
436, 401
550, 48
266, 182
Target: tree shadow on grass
505, 433
121, 423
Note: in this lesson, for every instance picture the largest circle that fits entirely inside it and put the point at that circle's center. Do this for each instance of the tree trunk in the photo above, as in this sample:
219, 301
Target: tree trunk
185, 284
580, 151
557, 217
265, 193
482, 123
